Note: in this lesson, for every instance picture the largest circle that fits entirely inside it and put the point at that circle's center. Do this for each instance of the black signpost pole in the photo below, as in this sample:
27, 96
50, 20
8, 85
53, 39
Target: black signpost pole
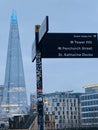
39, 81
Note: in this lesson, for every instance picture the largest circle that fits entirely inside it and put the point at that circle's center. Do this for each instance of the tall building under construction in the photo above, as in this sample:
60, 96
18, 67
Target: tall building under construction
14, 96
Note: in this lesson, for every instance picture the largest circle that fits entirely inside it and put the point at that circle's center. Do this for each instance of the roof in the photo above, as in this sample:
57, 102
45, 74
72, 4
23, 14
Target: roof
91, 86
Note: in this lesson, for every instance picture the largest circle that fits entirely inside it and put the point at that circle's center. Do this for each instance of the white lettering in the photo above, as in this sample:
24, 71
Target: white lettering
88, 42
73, 55
79, 42
87, 48
88, 55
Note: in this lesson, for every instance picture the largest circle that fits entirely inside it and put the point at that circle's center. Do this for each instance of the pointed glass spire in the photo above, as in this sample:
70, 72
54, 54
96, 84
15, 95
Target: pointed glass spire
14, 98
14, 16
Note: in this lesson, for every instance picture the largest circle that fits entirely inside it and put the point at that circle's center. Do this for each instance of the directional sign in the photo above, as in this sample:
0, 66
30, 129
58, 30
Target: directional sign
43, 28
70, 45
33, 51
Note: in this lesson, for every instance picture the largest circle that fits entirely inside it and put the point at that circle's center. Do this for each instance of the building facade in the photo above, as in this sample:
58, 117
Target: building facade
89, 106
1, 98
33, 102
65, 107
14, 96
1, 93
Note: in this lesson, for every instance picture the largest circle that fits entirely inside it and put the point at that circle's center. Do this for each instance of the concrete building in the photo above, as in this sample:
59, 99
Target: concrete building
65, 107
49, 122
89, 106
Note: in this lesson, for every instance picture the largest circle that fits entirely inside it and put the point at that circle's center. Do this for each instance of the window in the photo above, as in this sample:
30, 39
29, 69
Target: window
58, 104
63, 100
56, 108
56, 117
67, 112
63, 113
60, 100
46, 109
58, 112
60, 108
60, 117
53, 113
70, 108
54, 100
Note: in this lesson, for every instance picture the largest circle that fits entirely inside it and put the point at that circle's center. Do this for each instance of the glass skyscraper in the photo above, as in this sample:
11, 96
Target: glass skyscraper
14, 98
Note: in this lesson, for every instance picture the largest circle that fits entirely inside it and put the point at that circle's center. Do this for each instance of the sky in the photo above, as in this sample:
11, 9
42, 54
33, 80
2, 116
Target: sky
68, 16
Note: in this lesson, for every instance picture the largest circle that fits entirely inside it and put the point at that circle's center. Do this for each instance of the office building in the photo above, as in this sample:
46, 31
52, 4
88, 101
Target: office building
89, 106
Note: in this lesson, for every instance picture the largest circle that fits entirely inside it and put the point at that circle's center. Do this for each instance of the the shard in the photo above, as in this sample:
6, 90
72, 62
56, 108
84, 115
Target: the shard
14, 98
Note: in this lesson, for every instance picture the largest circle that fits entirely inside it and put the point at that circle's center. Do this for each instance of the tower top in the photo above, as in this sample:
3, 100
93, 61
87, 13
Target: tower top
14, 16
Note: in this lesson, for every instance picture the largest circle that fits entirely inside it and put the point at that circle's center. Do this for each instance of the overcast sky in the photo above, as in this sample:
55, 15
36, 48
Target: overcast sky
64, 16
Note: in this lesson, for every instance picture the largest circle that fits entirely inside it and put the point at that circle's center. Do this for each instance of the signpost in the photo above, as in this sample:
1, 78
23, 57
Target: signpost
33, 51
43, 29
58, 45
39, 81
70, 45
40, 32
